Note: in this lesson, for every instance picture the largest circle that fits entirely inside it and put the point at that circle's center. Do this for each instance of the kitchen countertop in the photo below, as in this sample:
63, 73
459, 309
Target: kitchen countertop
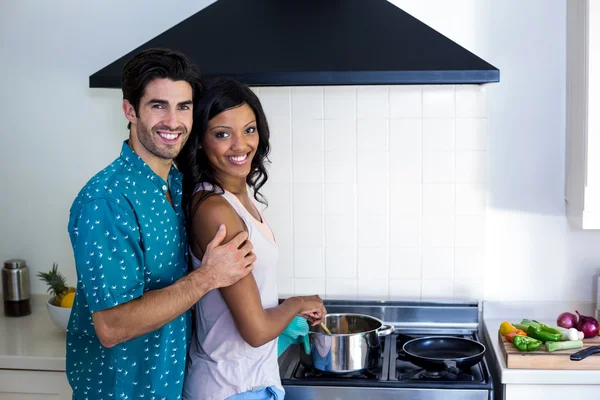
494, 313
32, 342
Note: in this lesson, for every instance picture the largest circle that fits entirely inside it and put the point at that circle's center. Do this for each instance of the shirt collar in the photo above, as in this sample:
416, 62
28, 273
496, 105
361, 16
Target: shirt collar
130, 157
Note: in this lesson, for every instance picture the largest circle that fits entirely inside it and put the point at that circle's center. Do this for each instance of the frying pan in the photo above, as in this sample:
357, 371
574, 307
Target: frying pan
439, 353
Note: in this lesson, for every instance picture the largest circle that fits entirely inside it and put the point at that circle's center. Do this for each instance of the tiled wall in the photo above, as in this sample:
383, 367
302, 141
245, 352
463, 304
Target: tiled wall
378, 192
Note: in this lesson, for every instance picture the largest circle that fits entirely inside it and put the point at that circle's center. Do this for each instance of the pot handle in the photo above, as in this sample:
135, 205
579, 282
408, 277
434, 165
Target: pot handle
385, 330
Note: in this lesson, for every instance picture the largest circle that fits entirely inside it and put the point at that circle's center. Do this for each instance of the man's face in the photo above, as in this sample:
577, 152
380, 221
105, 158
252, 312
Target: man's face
164, 120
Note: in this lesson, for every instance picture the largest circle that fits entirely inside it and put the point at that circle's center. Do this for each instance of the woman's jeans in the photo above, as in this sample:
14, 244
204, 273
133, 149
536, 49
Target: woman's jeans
269, 393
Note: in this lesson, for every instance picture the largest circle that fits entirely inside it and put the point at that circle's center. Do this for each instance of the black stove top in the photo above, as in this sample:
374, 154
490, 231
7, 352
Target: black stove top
394, 376
392, 370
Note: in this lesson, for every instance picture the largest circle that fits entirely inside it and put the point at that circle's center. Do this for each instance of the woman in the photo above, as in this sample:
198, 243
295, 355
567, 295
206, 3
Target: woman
233, 354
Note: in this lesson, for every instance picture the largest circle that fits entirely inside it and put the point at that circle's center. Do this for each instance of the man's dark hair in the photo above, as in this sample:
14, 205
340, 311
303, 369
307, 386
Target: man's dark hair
157, 63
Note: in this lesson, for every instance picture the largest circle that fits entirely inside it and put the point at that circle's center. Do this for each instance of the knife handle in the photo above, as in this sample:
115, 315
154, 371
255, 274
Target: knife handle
580, 355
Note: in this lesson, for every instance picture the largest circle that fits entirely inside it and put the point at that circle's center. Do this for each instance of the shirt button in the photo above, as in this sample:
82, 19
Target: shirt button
164, 187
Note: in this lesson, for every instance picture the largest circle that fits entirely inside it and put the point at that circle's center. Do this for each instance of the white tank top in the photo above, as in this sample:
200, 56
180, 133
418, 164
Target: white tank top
220, 362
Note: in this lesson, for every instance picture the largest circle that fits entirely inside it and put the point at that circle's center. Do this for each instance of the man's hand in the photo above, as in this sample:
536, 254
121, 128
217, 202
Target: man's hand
230, 262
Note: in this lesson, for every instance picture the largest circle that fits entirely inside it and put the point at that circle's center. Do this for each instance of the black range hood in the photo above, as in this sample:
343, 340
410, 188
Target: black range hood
314, 42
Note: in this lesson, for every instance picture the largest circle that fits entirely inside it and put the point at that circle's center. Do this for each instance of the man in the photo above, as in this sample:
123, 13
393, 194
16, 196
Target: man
130, 324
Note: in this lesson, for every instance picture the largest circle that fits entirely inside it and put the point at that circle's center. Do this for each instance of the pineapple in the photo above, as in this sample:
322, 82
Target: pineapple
57, 284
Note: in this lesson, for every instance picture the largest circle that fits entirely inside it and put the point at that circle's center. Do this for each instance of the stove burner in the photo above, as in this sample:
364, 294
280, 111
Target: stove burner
366, 374
304, 372
451, 374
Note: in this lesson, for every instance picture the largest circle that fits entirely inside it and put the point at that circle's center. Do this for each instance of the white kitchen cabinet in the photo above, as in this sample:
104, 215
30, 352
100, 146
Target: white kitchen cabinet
34, 385
582, 180
579, 392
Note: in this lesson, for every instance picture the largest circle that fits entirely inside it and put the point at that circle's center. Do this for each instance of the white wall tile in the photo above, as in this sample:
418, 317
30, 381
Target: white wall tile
469, 290
341, 289
438, 167
440, 290
470, 230
309, 230
405, 135
276, 102
340, 102
471, 134
405, 263
372, 135
470, 101
307, 103
341, 262
372, 199
405, 167
340, 199
279, 198
438, 101
405, 102
373, 230
405, 229
438, 263
373, 289
405, 151
280, 139
438, 134
309, 262
468, 263
280, 169
405, 289
308, 199
309, 287
378, 192
340, 230
340, 167
307, 136
372, 102
373, 263
285, 264
470, 198
285, 287
471, 167
438, 231
308, 167
279, 213
340, 135
438, 199
405, 198
372, 168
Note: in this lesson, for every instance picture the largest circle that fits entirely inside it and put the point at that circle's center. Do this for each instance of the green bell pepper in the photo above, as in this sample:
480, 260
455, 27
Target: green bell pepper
542, 335
526, 343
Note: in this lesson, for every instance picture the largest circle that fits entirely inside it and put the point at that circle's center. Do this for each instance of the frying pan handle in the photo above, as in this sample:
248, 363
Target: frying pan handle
385, 330
580, 355
450, 364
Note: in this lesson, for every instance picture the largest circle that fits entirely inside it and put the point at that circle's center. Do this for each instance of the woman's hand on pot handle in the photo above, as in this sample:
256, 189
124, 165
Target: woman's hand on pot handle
312, 309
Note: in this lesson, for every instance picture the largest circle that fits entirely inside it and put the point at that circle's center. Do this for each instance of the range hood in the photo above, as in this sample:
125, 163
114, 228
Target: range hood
314, 42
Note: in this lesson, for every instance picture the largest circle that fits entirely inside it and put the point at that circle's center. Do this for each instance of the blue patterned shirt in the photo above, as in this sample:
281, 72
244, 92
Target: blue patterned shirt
127, 238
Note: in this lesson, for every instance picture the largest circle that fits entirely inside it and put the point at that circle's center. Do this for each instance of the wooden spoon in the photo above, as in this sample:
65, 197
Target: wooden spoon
325, 328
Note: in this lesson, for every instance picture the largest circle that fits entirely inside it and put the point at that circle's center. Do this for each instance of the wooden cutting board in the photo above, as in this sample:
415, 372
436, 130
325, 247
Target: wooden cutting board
542, 359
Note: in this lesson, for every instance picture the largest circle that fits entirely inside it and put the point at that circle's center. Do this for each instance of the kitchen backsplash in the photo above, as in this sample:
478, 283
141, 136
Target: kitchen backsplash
378, 192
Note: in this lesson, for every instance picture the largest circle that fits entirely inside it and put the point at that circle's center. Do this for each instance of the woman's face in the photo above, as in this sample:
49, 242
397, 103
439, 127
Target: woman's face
231, 141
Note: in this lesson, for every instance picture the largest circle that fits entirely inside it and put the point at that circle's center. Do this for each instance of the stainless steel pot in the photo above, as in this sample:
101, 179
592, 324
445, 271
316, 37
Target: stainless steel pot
354, 343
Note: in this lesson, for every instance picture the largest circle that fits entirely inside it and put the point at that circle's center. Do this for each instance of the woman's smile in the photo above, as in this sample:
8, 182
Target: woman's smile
239, 159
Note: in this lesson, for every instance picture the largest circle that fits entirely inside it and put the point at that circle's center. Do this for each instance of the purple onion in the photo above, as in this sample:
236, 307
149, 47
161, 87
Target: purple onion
587, 325
566, 320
